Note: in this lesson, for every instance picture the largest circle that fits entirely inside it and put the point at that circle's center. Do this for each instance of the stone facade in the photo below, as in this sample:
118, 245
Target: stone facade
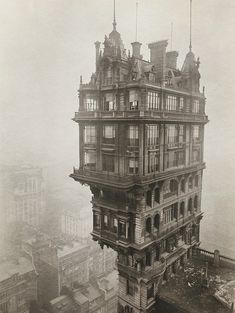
141, 128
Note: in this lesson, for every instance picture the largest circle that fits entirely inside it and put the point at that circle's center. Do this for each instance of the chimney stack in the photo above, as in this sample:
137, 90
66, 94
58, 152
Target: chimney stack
136, 49
158, 57
97, 54
171, 59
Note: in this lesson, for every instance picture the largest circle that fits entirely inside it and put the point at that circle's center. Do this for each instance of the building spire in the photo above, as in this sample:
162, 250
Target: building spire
190, 44
114, 15
136, 22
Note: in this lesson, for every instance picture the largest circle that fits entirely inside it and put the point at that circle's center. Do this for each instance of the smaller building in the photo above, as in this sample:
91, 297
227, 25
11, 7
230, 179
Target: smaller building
99, 296
18, 285
59, 264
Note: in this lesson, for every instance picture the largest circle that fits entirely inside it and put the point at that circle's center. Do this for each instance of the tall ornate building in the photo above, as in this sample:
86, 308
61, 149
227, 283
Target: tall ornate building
141, 128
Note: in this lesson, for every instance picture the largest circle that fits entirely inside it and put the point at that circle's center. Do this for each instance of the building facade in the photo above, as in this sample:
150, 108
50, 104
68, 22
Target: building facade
18, 285
141, 128
22, 195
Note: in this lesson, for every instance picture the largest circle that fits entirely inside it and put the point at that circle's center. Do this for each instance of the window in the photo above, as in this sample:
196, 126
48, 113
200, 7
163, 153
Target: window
153, 162
150, 292
96, 220
90, 134
148, 259
170, 213
153, 101
196, 106
133, 100
153, 135
130, 287
90, 102
149, 198
196, 132
157, 221
105, 221
90, 159
196, 179
122, 229
133, 135
181, 104
196, 155
133, 166
172, 134
148, 225
109, 134
182, 185
157, 195
181, 133
180, 158
108, 162
115, 225
109, 102
190, 182
195, 202
190, 205
182, 207
171, 103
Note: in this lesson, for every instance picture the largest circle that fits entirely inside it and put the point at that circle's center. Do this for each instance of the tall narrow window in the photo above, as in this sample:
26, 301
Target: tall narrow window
109, 102
90, 134
153, 101
172, 134
90, 159
153, 162
133, 166
196, 106
133, 135
109, 134
181, 133
133, 100
181, 104
153, 134
171, 103
90, 102
196, 132
105, 221
130, 287
96, 220
150, 292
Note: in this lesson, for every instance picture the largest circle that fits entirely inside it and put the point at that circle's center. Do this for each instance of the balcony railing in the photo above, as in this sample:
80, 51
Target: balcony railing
137, 114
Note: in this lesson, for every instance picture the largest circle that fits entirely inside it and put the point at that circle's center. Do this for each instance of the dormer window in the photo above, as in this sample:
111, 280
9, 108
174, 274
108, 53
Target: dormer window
133, 100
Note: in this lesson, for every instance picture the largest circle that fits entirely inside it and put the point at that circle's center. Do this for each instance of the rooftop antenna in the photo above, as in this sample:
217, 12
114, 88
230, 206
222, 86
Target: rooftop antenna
114, 15
190, 45
136, 22
171, 34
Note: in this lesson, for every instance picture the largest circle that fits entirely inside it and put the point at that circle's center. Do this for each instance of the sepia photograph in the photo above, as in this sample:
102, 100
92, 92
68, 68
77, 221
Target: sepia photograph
117, 156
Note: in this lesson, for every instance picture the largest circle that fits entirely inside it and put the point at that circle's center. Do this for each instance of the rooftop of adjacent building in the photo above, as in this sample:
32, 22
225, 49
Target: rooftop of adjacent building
14, 265
70, 248
187, 291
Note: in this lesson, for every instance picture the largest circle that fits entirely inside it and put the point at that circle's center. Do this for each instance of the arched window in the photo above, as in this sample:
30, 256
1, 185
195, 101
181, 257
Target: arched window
182, 185
149, 198
157, 195
148, 225
148, 259
182, 208
195, 202
157, 221
190, 205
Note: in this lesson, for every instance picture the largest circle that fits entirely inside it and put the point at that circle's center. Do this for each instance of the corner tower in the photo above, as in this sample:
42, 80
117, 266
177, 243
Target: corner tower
141, 128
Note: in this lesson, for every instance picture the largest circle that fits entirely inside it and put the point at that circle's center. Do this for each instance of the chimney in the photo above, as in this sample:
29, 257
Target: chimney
171, 59
136, 49
97, 53
158, 57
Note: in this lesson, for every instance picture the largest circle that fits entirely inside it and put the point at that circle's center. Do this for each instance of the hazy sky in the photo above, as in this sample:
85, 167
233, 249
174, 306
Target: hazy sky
45, 45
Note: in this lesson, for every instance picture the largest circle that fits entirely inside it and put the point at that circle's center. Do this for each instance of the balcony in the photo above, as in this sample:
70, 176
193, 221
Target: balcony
86, 176
139, 115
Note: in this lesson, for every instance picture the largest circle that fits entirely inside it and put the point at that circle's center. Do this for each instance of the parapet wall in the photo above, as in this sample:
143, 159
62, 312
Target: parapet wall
214, 258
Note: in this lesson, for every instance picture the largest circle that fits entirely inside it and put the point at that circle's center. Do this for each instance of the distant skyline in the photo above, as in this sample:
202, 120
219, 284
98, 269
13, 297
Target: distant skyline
45, 45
